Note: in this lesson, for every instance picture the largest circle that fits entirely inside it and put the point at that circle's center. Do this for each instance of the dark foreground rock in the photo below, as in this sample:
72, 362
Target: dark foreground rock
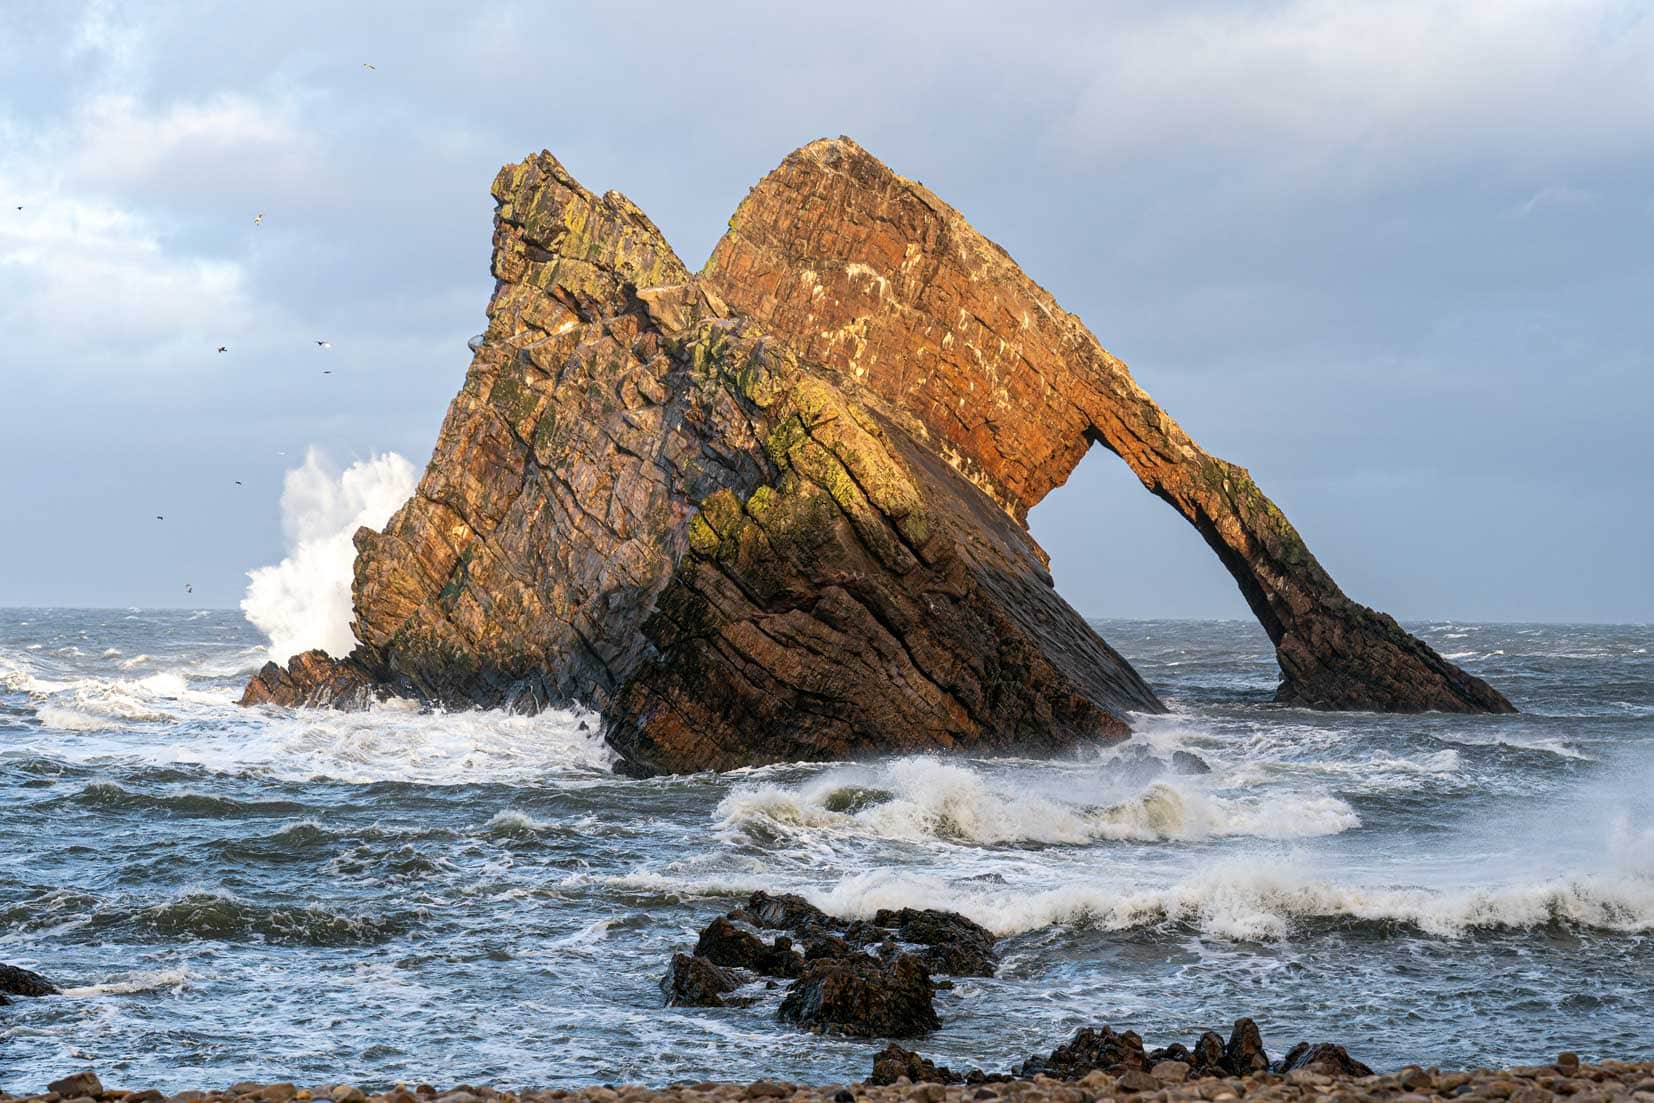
1094, 1051
693, 981
893, 1062
865, 978
1333, 1060
777, 510
1091, 1049
954, 946
723, 943
863, 996
1567, 1078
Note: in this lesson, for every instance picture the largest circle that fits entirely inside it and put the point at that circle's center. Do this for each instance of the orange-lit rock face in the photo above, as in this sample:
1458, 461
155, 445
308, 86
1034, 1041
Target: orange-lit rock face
776, 511
875, 277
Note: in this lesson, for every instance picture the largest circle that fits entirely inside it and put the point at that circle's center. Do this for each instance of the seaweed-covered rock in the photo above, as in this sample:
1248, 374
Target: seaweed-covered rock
864, 997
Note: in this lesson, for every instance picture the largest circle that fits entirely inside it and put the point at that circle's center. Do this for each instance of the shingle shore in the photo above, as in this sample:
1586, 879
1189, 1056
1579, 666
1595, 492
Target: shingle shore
1616, 1081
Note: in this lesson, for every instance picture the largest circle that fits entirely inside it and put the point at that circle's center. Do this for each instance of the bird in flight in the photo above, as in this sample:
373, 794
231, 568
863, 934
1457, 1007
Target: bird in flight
223, 348
188, 589
366, 66
238, 482
158, 517
258, 219
327, 371
324, 344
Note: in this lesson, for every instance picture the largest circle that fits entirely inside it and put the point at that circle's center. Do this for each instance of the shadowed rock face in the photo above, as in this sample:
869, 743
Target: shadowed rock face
777, 511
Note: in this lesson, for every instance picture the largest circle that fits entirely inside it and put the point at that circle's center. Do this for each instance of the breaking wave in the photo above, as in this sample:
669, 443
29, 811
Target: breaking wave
1245, 903
304, 601
922, 799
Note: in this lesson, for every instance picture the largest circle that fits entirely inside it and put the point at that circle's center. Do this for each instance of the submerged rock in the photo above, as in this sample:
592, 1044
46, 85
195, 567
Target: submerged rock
863, 996
777, 510
15, 981
1186, 762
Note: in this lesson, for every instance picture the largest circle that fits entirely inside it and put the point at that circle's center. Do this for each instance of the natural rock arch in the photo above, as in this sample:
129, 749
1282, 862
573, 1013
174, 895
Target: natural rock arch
777, 510
871, 274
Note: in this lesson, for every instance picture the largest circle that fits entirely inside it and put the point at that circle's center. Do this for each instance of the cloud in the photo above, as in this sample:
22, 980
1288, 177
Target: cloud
1356, 92
89, 277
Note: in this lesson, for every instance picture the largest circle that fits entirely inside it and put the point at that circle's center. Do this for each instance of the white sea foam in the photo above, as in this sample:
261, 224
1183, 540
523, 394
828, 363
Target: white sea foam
73, 720
132, 983
1245, 902
923, 799
394, 741
512, 821
304, 601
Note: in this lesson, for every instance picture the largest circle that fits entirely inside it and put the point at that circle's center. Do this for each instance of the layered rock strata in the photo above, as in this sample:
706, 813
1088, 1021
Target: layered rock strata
872, 276
777, 511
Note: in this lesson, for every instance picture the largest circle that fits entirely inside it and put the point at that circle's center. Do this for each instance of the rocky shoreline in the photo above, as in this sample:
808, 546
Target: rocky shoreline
1607, 1081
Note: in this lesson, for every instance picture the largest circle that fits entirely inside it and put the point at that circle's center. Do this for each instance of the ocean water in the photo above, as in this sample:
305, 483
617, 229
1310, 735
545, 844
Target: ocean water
392, 895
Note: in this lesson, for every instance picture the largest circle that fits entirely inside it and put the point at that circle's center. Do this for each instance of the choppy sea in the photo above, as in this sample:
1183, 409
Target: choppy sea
229, 894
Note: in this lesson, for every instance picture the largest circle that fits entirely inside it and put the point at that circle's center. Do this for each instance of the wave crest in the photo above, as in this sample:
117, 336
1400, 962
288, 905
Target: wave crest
1248, 904
921, 799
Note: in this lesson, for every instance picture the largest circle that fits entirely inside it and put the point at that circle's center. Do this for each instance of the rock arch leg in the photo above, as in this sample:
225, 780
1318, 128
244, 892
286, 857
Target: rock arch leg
875, 277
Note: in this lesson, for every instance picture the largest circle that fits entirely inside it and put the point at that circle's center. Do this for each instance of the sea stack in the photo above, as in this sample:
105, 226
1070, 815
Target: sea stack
777, 510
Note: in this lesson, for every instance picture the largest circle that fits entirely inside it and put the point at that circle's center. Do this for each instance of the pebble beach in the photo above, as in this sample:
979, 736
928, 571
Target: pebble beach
1608, 1081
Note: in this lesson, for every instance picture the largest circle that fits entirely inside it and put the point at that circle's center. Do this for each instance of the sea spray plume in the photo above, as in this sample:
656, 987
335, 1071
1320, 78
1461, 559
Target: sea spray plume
304, 601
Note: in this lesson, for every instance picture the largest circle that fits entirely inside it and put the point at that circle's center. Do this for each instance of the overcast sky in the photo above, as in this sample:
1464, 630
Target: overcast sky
1397, 259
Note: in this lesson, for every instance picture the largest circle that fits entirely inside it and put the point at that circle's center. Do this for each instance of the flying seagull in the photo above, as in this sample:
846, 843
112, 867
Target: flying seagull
324, 344
238, 482
223, 348
327, 371
366, 66
258, 218
158, 517
188, 589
